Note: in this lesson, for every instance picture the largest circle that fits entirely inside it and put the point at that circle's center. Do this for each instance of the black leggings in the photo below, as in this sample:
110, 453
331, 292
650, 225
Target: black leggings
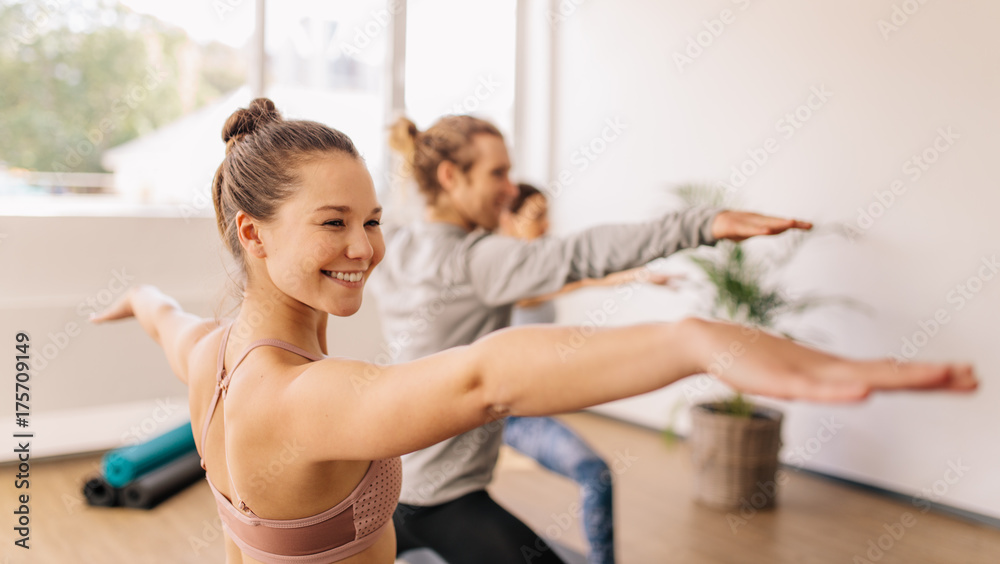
472, 529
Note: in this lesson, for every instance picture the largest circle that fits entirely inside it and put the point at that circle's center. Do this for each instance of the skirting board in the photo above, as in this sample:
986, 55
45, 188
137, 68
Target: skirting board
99, 428
615, 412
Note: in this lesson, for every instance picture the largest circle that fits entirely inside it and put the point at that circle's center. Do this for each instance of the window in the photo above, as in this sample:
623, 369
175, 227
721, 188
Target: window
119, 105
116, 107
327, 62
97, 93
460, 60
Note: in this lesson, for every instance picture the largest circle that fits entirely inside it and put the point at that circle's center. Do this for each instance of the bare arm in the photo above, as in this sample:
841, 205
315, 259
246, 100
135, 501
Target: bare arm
175, 330
354, 410
638, 274
568, 288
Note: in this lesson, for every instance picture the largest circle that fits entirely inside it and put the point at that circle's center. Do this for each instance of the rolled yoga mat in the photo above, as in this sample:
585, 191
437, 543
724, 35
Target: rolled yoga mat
123, 465
152, 488
99, 493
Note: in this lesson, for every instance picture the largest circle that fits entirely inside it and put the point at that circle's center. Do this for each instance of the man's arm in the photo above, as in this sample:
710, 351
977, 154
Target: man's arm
503, 270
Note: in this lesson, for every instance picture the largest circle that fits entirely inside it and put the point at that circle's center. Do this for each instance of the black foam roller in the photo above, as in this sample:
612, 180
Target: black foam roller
100, 493
152, 488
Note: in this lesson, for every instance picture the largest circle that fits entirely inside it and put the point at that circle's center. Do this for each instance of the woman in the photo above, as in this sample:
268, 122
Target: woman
448, 281
296, 206
546, 439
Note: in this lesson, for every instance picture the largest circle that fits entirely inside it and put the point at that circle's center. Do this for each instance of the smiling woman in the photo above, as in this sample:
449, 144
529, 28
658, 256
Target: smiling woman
296, 205
287, 171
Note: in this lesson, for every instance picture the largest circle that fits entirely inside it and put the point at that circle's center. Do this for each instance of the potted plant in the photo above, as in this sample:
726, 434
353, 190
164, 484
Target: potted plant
734, 442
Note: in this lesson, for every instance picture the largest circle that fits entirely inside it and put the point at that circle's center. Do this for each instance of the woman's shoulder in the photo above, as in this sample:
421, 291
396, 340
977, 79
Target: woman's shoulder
208, 345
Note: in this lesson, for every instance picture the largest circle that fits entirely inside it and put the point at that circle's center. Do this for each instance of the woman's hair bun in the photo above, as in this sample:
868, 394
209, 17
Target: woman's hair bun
245, 121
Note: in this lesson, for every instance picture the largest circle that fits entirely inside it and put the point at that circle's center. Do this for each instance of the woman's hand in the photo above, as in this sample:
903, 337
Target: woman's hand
639, 274
756, 362
120, 309
738, 226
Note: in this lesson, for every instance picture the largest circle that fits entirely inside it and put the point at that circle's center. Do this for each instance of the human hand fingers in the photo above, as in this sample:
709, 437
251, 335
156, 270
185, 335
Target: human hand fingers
120, 309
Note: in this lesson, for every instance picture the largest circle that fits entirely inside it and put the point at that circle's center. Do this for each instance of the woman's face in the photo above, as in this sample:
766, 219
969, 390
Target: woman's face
483, 193
531, 221
325, 240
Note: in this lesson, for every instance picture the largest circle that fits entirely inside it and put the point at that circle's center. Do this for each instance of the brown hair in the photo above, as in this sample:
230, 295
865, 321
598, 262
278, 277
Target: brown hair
449, 139
524, 191
259, 172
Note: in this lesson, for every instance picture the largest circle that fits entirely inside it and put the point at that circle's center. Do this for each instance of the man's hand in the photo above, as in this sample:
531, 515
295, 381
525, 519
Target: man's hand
738, 226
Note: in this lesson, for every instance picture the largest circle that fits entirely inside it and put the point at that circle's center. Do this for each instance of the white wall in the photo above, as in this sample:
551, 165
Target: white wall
890, 96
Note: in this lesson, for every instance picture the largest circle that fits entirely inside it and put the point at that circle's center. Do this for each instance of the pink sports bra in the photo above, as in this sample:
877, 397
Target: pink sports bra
344, 530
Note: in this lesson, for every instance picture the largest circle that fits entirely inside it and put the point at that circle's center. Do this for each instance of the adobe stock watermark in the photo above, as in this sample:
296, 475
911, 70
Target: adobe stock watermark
76, 501
563, 10
365, 34
696, 387
878, 547
900, 16
768, 490
149, 425
465, 447
913, 168
200, 204
135, 93
585, 155
695, 45
137, 433
599, 317
621, 463
958, 296
418, 322
484, 89
27, 32
276, 466
787, 126
211, 531
225, 7
290, 278
57, 342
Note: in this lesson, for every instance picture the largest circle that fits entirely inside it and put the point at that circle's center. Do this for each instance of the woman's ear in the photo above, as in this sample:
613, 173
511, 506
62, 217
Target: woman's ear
249, 234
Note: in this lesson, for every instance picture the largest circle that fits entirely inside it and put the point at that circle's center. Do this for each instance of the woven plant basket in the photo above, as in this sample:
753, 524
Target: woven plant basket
735, 458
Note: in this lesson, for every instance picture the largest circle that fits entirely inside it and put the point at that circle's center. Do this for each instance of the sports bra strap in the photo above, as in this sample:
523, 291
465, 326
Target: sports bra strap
281, 345
218, 391
223, 377
222, 351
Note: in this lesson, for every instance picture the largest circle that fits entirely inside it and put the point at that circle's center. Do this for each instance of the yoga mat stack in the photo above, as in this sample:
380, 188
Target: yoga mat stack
143, 475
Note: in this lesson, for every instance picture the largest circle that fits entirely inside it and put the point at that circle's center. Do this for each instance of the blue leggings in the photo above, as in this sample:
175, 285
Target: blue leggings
559, 449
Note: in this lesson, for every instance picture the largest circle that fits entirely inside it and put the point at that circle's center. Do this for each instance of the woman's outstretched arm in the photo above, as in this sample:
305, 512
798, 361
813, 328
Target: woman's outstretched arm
175, 330
354, 410
637, 274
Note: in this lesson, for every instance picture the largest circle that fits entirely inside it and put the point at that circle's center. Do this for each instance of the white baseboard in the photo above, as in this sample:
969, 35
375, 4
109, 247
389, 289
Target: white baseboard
93, 429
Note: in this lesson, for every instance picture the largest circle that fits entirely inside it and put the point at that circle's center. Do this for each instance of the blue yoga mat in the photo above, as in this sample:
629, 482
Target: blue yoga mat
123, 465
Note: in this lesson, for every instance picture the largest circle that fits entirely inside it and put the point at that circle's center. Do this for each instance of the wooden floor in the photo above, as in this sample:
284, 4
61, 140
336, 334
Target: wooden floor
816, 521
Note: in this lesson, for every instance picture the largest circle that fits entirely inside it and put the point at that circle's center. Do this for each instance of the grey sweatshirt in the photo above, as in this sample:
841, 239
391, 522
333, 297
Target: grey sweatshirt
440, 286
